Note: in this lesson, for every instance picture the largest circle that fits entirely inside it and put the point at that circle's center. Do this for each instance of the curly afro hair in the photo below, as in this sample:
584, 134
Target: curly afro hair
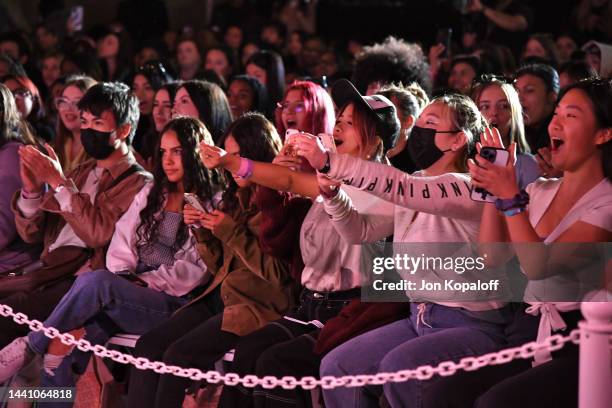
392, 61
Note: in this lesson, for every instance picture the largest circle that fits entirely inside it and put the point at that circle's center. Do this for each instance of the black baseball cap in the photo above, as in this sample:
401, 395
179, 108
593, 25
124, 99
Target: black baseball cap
387, 123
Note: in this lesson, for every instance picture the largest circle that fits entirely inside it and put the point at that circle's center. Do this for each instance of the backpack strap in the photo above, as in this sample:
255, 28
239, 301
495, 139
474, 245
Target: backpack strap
134, 168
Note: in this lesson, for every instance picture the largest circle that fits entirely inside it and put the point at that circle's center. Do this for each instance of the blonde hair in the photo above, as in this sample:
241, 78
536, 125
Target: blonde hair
517, 125
465, 116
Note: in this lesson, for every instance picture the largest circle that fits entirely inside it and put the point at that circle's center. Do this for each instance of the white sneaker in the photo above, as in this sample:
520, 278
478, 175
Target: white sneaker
13, 357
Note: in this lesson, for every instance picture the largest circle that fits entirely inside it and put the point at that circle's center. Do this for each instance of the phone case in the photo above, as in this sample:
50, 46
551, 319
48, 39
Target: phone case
289, 135
328, 142
290, 132
497, 156
195, 202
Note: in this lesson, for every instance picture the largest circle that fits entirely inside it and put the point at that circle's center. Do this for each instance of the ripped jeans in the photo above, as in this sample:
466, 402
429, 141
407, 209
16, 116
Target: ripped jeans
104, 304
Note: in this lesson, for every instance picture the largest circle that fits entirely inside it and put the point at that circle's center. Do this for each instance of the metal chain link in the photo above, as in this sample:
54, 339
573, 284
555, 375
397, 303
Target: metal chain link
446, 368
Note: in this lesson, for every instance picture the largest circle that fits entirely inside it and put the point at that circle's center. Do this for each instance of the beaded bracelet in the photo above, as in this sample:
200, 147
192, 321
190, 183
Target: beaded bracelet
518, 201
514, 211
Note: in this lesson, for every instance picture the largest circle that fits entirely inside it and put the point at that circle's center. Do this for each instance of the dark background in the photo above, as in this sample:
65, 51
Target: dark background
364, 20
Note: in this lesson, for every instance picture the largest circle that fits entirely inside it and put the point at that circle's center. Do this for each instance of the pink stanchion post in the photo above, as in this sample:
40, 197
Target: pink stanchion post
595, 378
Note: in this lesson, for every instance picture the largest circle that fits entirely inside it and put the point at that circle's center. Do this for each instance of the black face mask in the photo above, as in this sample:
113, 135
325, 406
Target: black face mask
96, 143
422, 146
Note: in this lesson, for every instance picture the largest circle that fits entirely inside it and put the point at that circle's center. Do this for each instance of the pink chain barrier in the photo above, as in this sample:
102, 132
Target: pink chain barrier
446, 368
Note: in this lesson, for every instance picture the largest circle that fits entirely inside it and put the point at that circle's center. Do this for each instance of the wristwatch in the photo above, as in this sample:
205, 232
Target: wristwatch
327, 166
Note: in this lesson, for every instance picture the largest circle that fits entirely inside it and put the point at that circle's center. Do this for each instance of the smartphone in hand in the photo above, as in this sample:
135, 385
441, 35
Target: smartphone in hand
75, 20
444, 37
328, 142
194, 201
289, 140
497, 156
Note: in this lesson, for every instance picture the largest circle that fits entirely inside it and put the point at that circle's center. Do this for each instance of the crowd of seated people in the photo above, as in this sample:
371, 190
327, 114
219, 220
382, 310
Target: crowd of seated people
221, 191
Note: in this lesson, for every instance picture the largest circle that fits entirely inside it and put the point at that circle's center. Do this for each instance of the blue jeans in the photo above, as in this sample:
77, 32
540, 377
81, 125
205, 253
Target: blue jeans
103, 303
406, 344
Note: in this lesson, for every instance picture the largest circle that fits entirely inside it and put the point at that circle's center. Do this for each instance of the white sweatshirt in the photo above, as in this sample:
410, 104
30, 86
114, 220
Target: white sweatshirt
427, 210
187, 272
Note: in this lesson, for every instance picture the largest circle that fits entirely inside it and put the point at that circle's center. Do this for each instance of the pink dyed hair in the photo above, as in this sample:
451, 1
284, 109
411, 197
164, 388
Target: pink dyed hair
319, 106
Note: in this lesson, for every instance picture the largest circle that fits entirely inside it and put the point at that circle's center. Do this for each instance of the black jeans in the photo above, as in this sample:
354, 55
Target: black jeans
36, 305
191, 338
283, 348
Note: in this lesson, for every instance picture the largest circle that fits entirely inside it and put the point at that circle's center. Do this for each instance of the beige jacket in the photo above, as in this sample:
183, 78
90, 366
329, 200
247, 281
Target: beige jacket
92, 223
256, 288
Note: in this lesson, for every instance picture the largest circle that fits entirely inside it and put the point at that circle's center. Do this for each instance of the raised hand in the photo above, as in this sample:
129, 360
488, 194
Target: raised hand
212, 156
31, 184
46, 169
311, 148
490, 138
286, 159
498, 180
434, 58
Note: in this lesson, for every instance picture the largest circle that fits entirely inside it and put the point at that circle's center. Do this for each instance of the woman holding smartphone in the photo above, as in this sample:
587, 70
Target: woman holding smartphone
249, 288
429, 206
152, 247
308, 107
331, 276
499, 103
576, 208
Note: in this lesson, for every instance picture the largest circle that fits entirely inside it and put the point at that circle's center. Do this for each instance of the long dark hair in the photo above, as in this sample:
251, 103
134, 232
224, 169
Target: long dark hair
599, 92
272, 63
261, 100
155, 73
12, 126
258, 141
213, 107
197, 179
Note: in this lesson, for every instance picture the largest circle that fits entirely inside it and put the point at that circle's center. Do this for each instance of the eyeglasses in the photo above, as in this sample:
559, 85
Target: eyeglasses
296, 107
64, 104
21, 93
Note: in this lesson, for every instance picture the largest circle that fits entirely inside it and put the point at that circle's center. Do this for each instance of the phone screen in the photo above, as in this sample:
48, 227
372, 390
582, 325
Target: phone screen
76, 18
